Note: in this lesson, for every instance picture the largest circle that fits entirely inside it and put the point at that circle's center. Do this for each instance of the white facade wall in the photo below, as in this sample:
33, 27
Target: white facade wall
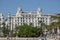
28, 17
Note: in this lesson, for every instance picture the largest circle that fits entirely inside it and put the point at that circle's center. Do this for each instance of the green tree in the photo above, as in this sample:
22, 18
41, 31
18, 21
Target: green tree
27, 31
5, 30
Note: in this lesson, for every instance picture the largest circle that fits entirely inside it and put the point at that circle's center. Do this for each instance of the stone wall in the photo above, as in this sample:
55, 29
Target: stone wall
14, 38
32, 38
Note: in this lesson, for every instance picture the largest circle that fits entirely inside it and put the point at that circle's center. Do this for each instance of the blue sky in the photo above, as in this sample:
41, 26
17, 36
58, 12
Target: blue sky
48, 6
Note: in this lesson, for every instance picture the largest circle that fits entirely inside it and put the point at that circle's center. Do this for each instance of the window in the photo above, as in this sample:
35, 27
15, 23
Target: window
26, 18
43, 19
18, 23
21, 23
23, 20
29, 15
38, 18
18, 17
0, 19
29, 19
21, 17
26, 15
46, 18
32, 15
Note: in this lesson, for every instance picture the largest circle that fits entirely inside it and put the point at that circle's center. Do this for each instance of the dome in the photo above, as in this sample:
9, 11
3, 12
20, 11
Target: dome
39, 9
19, 9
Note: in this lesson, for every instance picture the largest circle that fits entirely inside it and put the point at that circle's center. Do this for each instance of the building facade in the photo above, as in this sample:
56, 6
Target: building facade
28, 17
34, 18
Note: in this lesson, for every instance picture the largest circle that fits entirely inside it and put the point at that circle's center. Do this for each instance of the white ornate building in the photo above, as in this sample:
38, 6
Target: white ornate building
28, 17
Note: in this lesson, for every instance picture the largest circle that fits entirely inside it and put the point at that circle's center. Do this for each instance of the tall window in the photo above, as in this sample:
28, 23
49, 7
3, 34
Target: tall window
21, 19
29, 15
18, 19
0, 19
26, 16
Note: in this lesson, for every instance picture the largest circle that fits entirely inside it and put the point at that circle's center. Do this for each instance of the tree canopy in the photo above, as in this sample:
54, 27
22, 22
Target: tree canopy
27, 31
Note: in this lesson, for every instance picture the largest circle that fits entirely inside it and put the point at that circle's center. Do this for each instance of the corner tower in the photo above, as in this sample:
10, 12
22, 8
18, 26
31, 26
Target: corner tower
39, 12
19, 11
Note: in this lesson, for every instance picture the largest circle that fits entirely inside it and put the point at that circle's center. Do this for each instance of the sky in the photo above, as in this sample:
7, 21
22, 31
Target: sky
48, 6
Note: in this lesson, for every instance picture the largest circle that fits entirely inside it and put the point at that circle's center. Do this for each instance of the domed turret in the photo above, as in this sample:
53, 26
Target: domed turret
39, 12
19, 11
39, 9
